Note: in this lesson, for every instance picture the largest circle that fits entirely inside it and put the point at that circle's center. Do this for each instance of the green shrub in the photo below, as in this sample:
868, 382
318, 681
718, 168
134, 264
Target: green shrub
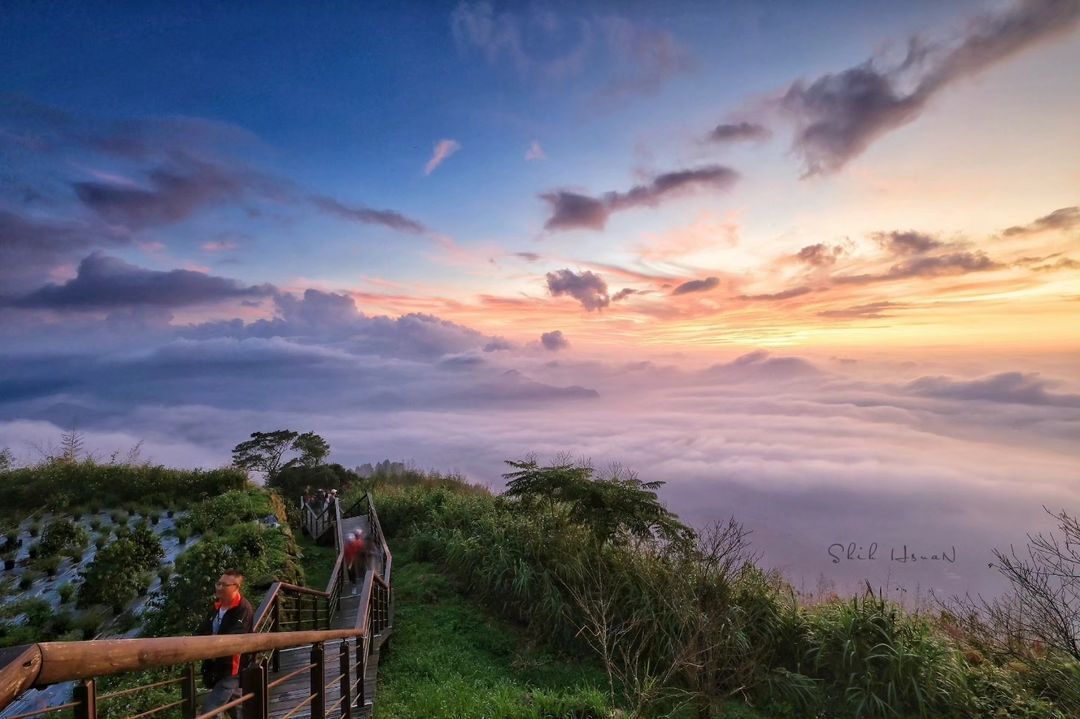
89, 624
114, 577
38, 612
61, 534
101, 540
218, 514
33, 551
26, 581
49, 564
66, 592
95, 524
183, 534
61, 623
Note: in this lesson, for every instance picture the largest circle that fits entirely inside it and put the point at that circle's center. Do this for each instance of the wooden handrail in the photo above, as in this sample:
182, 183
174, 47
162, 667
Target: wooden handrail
265, 607
21, 668
66, 661
297, 589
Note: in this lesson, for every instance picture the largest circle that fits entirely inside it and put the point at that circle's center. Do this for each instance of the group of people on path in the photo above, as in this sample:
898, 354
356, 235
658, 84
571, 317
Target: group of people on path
320, 500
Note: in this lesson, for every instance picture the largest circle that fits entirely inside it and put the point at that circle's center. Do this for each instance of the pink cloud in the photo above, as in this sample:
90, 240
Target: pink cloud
151, 247
218, 246
443, 150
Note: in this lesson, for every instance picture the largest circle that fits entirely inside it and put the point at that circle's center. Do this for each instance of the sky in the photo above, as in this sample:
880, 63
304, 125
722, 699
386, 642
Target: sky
814, 265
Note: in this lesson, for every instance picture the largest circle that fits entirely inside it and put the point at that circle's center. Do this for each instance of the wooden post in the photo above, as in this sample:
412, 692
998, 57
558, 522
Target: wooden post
189, 691
361, 670
318, 681
346, 681
86, 695
253, 680
276, 656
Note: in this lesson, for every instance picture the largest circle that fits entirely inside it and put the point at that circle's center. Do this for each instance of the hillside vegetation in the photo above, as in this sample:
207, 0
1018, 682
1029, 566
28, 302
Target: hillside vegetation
683, 623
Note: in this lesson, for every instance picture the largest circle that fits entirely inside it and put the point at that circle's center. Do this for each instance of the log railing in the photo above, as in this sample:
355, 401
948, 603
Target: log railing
289, 617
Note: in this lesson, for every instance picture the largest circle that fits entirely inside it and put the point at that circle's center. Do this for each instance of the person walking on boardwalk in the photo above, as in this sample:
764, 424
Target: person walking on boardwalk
354, 554
232, 614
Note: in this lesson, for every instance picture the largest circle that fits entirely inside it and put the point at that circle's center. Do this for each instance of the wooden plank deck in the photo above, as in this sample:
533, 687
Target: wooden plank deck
283, 700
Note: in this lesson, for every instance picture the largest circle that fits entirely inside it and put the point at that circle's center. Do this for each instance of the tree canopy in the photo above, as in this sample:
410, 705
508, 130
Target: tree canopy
614, 508
265, 452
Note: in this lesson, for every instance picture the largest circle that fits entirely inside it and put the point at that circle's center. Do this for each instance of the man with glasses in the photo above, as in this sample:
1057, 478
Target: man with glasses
232, 614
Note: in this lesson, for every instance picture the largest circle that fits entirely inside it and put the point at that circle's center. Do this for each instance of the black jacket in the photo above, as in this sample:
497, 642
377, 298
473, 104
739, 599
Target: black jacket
237, 620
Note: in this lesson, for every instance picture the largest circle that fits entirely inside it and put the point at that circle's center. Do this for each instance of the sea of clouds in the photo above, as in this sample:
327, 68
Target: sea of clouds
813, 453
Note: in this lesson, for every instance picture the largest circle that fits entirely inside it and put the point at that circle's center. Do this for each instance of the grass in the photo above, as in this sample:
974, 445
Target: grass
317, 561
451, 659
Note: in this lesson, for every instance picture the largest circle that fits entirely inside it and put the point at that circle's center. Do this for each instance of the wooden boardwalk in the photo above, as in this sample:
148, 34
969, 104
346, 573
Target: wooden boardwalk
284, 700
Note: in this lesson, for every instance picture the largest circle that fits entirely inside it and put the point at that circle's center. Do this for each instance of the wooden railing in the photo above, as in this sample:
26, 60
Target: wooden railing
289, 617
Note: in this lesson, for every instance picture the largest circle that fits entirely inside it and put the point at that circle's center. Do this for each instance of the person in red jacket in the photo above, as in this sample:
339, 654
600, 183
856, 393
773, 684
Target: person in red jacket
354, 556
232, 614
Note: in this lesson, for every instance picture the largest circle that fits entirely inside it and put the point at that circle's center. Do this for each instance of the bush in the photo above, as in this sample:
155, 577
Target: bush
49, 564
89, 624
61, 534
66, 591
218, 514
113, 578
38, 613
26, 581
101, 540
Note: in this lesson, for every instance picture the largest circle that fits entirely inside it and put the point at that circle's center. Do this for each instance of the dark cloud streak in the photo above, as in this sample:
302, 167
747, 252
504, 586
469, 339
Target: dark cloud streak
388, 218
741, 131
572, 210
1064, 219
838, 116
709, 283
